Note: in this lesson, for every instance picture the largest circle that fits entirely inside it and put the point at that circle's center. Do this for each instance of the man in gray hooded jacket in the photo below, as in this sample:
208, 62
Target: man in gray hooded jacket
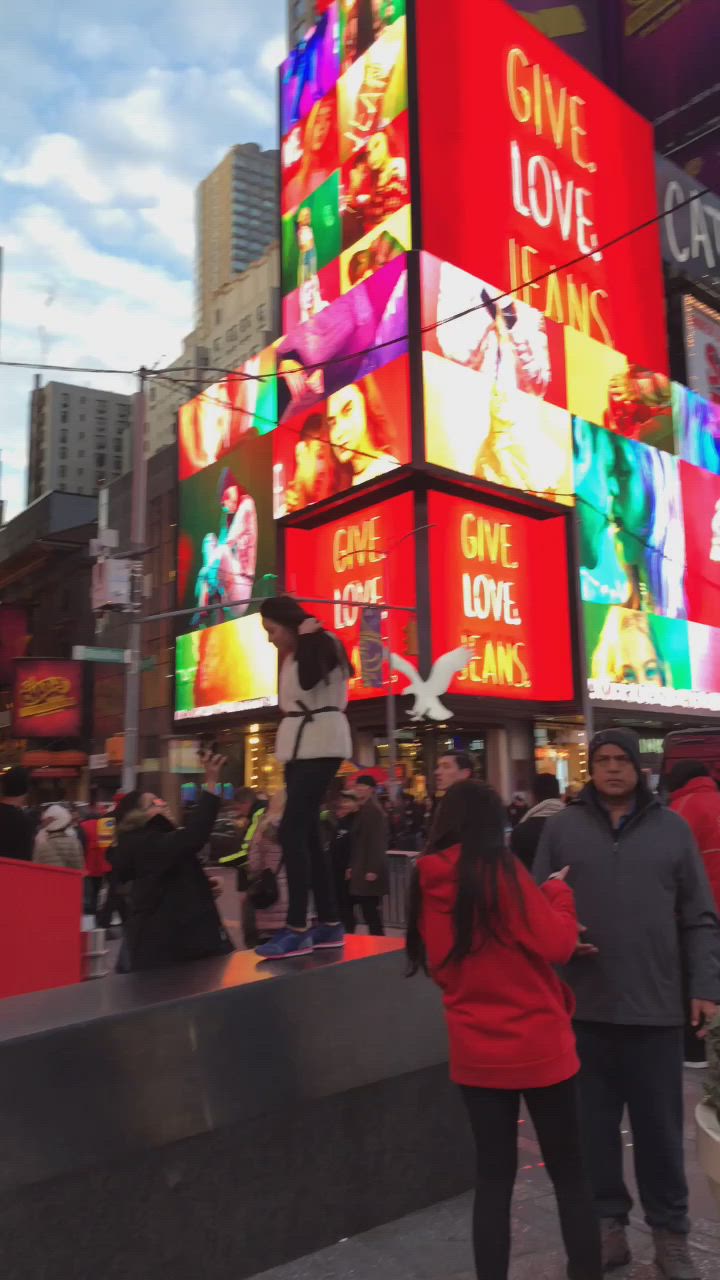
646, 910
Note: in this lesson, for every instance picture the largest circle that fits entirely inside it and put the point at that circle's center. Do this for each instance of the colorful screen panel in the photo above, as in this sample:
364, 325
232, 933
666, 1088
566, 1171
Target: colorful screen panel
359, 433
494, 382
230, 667
494, 576
361, 559
345, 154
212, 424
529, 163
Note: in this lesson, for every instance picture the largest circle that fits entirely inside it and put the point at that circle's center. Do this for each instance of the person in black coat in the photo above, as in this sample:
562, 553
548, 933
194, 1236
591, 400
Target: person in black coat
525, 837
172, 916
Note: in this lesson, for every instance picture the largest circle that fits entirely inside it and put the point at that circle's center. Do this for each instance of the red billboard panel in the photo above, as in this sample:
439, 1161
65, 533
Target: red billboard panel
541, 167
495, 576
701, 507
13, 640
48, 698
359, 560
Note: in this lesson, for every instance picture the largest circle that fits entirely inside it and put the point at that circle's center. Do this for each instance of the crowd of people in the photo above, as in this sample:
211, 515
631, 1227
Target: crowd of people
578, 959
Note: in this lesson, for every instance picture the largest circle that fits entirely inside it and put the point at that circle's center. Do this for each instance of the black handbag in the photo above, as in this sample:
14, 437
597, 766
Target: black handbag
263, 889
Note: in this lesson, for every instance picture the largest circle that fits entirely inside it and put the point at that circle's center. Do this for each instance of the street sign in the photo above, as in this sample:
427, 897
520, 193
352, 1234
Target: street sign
88, 653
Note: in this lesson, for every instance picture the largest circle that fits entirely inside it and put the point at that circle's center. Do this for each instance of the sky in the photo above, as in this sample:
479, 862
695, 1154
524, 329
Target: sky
107, 123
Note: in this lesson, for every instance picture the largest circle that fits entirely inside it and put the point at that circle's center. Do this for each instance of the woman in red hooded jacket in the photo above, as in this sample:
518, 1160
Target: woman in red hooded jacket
489, 937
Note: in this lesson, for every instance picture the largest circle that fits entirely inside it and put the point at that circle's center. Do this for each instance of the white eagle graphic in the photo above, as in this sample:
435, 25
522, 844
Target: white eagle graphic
427, 693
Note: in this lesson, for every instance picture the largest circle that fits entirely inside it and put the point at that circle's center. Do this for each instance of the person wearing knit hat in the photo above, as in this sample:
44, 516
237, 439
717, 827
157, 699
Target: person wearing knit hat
647, 915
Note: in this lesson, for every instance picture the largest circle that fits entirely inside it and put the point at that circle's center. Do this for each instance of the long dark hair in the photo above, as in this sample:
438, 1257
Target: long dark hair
327, 651
472, 815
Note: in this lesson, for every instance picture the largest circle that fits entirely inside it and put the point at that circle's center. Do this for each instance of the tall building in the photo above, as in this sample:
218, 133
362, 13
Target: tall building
301, 16
79, 438
244, 317
237, 219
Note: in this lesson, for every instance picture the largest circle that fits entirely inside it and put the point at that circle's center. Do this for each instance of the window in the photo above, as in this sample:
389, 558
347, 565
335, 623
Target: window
218, 316
100, 459
81, 453
63, 453
62, 472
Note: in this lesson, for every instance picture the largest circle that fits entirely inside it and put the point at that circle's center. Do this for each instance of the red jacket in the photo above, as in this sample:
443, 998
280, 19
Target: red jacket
508, 1013
698, 802
99, 836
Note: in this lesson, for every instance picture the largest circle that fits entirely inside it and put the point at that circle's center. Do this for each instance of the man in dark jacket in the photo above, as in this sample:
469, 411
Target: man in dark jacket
525, 837
646, 908
17, 829
173, 916
368, 874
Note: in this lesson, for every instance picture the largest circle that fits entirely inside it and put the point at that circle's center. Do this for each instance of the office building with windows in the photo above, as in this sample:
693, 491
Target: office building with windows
237, 219
79, 438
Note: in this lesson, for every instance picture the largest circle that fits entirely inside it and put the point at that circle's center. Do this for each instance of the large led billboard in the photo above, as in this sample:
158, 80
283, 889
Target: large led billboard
495, 578
47, 698
363, 558
529, 164
213, 423
226, 542
360, 432
226, 668
345, 154
649, 551
494, 385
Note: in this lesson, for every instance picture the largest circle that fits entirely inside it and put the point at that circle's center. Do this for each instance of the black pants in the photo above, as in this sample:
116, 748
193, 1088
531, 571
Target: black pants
306, 862
371, 913
92, 887
115, 901
494, 1117
640, 1068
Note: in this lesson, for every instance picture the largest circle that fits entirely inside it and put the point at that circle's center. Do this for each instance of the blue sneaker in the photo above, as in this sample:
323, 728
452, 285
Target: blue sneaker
325, 937
285, 944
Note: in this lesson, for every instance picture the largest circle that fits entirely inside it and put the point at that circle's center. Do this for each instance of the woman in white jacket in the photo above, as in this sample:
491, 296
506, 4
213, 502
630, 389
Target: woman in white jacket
312, 741
56, 843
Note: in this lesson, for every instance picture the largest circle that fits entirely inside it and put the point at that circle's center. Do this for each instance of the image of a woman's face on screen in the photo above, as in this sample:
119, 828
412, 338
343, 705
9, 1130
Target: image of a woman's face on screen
627, 652
359, 431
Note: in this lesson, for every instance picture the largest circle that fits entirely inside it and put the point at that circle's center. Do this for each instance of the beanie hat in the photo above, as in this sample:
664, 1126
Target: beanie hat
626, 739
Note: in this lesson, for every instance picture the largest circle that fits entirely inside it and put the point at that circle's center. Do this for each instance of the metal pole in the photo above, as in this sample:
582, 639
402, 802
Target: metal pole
390, 709
138, 535
576, 595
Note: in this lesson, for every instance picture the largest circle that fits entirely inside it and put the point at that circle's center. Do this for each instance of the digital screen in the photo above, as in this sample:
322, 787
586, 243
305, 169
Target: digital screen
702, 348
311, 70
701, 507
697, 429
361, 432
362, 559
47, 698
362, 331
214, 422
494, 577
494, 379
530, 164
345, 183
630, 518
230, 667
602, 387
226, 544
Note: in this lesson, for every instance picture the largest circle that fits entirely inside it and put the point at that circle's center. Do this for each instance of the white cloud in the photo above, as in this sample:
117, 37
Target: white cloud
57, 159
273, 52
140, 119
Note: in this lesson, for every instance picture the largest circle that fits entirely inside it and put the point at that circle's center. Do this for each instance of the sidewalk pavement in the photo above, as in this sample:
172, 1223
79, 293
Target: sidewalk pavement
435, 1244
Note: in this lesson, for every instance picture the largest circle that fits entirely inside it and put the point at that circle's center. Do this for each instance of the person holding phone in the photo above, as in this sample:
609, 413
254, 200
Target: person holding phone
172, 914
648, 915
490, 938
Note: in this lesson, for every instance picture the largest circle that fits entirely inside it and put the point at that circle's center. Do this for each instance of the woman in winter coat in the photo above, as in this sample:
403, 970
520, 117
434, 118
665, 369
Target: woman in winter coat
265, 854
172, 913
312, 741
489, 938
57, 843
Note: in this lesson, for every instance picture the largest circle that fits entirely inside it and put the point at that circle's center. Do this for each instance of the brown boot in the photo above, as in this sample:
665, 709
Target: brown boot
672, 1256
615, 1248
